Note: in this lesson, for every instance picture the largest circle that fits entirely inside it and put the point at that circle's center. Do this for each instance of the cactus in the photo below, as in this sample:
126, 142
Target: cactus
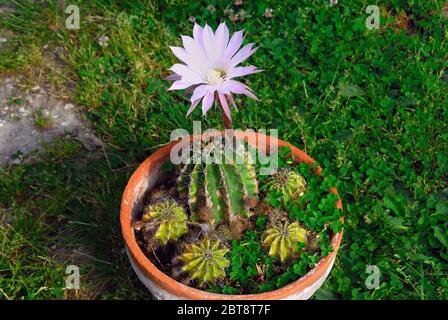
289, 183
282, 239
220, 191
205, 262
169, 218
223, 234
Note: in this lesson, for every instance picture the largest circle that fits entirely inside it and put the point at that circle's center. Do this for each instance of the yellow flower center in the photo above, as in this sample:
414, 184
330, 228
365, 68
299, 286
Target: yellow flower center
215, 76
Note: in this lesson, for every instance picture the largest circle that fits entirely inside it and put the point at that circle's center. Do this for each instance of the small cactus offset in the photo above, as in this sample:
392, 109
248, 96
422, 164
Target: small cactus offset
223, 234
169, 218
282, 239
205, 262
289, 183
220, 191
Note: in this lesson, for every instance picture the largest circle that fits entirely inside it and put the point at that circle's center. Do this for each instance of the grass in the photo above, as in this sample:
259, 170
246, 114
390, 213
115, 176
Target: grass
369, 105
41, 120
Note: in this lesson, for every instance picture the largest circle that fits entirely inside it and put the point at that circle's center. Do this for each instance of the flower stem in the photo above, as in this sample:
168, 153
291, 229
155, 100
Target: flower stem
227, 121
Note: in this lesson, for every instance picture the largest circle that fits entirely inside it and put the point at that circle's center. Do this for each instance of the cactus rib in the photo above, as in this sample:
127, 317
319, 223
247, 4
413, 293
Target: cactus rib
213, 194
194, 189
233, 187
247, 171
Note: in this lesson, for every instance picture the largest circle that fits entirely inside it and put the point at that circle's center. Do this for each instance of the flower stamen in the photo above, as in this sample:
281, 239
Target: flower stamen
215, 76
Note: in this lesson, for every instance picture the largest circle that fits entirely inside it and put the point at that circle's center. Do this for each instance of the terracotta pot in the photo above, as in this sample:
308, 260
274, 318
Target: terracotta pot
164, 287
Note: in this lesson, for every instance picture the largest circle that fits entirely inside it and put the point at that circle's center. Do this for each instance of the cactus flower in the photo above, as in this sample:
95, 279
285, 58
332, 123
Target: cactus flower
210, 65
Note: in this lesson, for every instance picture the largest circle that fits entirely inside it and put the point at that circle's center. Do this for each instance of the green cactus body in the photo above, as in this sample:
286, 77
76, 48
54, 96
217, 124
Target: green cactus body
289, 183
195, 196
170, 219
223, 191
248, 177
282, 239
233, 187
205, 262
214, 192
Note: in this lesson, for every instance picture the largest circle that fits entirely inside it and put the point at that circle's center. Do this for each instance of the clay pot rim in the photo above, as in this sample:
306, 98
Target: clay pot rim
176, 288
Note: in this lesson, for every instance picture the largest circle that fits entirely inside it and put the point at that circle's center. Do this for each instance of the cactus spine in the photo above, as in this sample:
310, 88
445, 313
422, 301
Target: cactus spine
205, 262
169, 218
220, 191
282, 239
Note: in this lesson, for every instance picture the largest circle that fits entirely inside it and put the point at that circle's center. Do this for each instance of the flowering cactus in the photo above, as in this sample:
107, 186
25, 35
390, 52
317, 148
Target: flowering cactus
205, 262
282, 239
169, 218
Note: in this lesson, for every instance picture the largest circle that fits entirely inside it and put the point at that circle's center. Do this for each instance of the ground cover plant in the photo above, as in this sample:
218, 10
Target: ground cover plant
369, 105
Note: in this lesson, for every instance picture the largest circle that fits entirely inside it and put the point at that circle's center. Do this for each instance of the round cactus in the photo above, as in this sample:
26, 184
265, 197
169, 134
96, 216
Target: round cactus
223, 234
169, 218
289, 183
282, 240
205, 261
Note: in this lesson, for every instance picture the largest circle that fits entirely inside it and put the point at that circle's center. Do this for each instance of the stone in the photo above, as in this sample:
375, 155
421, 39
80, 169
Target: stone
18, 132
